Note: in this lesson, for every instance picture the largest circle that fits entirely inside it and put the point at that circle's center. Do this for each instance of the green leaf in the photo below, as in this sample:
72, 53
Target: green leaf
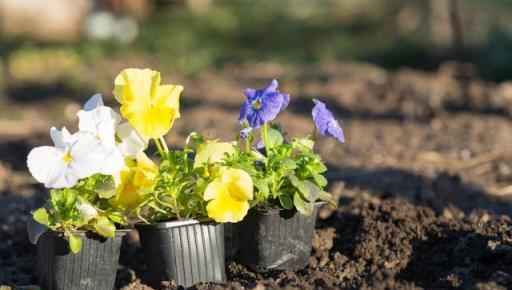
75, 243
308, 190
262, 187
288, 164
107, 189
303, 144
41, 216
320, 179
286, 201
274, 138
105, 227
304, 207
326, 196
318, 167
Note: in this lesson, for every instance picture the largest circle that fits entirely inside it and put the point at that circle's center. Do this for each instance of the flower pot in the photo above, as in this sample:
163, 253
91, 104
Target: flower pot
186, 251
94, 267
275, 239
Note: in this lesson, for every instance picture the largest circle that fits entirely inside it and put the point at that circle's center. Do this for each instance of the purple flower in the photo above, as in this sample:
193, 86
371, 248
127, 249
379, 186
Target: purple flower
325, 122
263, 105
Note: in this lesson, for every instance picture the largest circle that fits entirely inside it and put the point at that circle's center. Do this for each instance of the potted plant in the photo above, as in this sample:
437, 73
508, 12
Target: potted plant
289, 186
187, 197
79, 230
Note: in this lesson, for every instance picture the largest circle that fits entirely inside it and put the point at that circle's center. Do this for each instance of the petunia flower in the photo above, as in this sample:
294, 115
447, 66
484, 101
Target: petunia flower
263, 105
150, 108
72, 158
102, 122
228, 195
325, 122
137, 175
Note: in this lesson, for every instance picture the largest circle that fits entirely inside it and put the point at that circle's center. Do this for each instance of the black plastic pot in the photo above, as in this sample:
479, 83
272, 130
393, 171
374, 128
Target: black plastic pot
187, 251
275, 239
93, 268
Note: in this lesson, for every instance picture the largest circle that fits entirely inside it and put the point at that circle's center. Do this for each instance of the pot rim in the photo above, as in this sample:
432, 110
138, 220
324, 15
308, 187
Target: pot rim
119, 232
263, 210
174, 223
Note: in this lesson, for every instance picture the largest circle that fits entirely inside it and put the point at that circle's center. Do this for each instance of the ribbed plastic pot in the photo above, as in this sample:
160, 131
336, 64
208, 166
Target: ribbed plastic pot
275, 239
187, 251
93, 268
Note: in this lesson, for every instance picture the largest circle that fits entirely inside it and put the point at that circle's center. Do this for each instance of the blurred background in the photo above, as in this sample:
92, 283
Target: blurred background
422, 88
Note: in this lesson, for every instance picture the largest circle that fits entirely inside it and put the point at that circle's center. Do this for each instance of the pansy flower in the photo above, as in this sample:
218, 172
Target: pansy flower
325, 122
228, 195
150, 108
72, 157
263, 105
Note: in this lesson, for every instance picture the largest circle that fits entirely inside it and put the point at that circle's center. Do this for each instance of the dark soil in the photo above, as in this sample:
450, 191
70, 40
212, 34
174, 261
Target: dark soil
423, 182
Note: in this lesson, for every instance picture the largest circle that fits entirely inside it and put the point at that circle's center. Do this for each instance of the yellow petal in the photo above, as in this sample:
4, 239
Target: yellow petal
153, 122
168, 96
227, 209
145, 172
213, 190
134, 84
127, 193
239, 183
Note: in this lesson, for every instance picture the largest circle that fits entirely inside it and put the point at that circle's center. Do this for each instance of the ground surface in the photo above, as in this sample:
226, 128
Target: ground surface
423, 180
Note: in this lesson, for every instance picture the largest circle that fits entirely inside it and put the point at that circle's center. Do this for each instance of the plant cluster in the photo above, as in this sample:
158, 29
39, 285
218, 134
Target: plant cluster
101, 176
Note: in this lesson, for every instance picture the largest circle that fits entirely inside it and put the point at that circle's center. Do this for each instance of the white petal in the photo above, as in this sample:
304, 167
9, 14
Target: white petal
131, 142
101, 122
87, 156
62, 177
43, 161
93, 102
113, 163
61, 138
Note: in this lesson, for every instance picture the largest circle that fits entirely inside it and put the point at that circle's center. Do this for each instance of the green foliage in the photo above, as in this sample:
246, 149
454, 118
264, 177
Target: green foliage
288, 174
180, 184
81, 208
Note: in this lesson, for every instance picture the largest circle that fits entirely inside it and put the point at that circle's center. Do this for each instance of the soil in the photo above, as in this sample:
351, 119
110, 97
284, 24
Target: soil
423, 181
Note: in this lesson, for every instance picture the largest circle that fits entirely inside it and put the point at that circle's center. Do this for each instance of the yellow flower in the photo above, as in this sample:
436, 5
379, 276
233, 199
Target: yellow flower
150, 108
213, 151
135, 176
228, 195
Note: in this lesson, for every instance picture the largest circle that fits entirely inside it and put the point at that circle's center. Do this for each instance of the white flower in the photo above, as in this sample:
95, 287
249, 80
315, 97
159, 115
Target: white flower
86, 209
73, 157
131, 142
101, 121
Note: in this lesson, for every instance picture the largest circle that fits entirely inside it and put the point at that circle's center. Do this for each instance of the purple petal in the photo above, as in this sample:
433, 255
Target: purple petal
250, 93
270, 106
255, 120
244, 133
272, 87
325, 122
245, 110
286, 101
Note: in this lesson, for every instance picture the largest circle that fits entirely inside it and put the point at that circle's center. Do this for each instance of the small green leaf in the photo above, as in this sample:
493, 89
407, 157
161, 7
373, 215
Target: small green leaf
105, 227
274, 138
326, 196
107, 189
41, 216
286, 201
75, 243
288, 164
308, 190
320, 179
262, 187
304, 144
304, 207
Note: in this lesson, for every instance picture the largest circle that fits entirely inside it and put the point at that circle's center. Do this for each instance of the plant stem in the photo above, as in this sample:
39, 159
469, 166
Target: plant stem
247, 145
265, 137
162, 140
159, 147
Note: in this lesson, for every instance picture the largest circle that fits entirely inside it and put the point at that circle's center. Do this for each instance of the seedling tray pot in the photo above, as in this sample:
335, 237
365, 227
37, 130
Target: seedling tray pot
186, 251
275, 239
93, 268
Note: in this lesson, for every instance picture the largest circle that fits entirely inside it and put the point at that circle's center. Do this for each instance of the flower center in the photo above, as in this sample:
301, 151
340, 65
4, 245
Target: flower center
66, 158
257, 105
